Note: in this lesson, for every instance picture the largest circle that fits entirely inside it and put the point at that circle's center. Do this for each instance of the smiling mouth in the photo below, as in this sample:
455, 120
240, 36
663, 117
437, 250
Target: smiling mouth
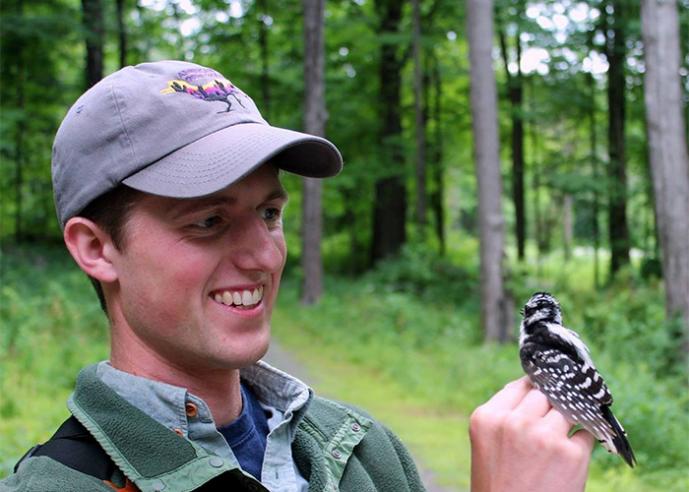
243, 299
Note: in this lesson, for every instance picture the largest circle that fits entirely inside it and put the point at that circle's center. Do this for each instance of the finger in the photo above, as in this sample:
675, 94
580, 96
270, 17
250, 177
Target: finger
584, 438
511, 395
556, 421
534, 404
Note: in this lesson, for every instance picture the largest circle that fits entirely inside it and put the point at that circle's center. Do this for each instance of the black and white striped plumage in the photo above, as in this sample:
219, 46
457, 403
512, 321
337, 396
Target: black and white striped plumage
560, 366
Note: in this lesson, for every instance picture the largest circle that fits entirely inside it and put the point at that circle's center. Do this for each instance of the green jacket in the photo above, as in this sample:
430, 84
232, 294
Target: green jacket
335, 448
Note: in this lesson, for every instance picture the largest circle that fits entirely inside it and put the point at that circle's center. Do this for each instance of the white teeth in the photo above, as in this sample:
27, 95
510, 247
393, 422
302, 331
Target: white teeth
226, 298
243, 298
247, 299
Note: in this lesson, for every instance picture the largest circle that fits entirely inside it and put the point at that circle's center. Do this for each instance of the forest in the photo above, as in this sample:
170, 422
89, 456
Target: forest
492, 149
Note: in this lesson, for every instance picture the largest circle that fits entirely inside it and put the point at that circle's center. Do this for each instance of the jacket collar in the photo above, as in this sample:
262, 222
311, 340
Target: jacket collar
156, 459
276, 390
148, 453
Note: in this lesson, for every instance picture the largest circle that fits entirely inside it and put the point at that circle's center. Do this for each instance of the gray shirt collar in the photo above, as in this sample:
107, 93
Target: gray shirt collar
284, 396
166, 403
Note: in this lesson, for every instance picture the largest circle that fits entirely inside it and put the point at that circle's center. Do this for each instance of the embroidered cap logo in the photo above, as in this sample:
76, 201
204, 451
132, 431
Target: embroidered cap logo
205, 84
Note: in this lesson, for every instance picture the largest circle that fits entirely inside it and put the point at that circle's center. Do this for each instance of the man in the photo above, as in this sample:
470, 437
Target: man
166, 183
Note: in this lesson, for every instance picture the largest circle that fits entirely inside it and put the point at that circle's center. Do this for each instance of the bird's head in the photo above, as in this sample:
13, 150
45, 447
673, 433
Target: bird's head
542, 306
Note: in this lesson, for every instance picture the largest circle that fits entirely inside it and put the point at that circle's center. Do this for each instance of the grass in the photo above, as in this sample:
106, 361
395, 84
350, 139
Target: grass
50, 327
402, 343
412, 326
425, 395
420, 425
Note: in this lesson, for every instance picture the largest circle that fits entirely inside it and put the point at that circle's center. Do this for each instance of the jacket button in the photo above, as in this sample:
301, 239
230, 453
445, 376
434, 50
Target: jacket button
158, 486
216, 462
356, 427
191, 409
336, 454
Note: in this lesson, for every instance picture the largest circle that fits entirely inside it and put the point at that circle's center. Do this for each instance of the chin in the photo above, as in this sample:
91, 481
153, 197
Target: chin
257, 355
248, 354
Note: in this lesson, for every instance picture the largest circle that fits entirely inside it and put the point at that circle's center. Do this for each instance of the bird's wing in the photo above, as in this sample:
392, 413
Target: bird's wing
577, 391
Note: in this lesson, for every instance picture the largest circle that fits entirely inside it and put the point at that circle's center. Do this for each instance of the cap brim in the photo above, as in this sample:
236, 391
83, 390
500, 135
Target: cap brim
224, 157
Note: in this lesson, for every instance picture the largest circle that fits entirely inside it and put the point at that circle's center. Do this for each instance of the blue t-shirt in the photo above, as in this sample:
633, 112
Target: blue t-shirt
247, 435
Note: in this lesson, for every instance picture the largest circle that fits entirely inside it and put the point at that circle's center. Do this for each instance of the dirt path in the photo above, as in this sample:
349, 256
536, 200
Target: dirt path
283, 359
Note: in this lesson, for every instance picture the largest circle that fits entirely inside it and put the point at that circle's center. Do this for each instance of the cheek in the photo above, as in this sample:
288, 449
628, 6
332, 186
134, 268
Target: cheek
281, 246
188, 277
165, 273
283, 251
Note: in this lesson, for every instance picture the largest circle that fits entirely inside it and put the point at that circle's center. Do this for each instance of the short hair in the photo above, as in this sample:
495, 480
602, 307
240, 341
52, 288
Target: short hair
110, 211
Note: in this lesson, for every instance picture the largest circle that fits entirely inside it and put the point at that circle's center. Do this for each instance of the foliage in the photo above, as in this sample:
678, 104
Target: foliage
407, 328
34, 93
557, 101
405, 325
50, 327
418, 307
421, 272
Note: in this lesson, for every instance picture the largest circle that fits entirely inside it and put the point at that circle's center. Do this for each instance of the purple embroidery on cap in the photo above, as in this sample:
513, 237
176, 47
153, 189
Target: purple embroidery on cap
205, 84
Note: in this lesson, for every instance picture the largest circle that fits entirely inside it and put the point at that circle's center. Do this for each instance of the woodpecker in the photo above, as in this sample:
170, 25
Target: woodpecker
559, 364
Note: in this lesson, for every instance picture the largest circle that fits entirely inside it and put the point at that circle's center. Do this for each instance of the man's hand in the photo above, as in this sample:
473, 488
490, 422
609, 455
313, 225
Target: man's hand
520, 443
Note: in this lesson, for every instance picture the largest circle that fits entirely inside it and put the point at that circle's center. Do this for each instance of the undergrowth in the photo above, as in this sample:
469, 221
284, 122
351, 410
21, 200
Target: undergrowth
50, 327
413, 321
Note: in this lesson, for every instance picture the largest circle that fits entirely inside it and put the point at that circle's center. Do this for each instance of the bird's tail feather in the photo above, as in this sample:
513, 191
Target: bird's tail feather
619, 440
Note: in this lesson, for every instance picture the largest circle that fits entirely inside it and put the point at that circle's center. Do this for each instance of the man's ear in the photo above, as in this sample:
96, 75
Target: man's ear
91, 247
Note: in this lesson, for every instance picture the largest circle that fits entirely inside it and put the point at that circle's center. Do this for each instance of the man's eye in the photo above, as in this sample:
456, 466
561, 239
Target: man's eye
208, 222
271, 214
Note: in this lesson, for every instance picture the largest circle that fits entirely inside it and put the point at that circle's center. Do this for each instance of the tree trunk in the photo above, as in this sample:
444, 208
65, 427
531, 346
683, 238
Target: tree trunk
390, 205
515, 93
668, 150
144, 47
595, 172
617, 172
420, 119
494, 305
263, 48
535, 181
567, 225
314, 123
20, 132
92, 11
359, 257
121, 32
437, 197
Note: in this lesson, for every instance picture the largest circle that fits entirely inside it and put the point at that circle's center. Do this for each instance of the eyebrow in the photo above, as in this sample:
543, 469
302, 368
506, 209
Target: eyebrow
277, 194
183, 206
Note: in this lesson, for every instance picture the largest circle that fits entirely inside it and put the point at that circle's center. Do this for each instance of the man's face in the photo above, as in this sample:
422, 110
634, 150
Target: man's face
197, 278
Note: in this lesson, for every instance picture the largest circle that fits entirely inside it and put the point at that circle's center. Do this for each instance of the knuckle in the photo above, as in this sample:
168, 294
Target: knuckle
483, 420
570, 453
479, 417
517, 383
575, 454
510, 384
515, 424
539, 396
543, 440
579, 451
565, 449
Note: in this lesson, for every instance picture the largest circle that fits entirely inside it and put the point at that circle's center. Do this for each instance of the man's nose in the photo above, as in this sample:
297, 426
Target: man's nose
256, 247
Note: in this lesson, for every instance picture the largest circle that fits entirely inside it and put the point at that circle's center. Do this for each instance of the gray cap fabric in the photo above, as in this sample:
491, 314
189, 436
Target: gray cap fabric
173, 129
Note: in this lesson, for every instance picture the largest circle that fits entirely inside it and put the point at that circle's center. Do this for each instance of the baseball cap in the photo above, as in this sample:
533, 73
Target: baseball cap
173, 129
